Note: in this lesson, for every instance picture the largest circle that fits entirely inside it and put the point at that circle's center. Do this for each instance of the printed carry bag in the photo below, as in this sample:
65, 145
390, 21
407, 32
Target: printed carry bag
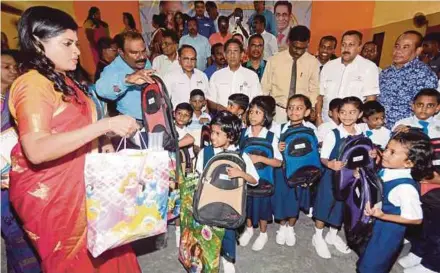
200, 245
126, 197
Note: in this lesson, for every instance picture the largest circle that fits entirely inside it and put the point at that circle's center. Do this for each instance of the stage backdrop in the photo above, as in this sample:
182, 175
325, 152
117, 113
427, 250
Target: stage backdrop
301, 11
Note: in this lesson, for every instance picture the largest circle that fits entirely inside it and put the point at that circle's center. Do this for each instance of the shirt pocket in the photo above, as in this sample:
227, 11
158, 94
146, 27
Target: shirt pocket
331, 88
355, 87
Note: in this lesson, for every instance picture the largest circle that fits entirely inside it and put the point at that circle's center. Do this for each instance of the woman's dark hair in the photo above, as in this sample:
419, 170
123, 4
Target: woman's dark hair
302, 97
96, 22
175, 21
420, 152
39, 24
131, 22
265, 106
355, 101
229, 123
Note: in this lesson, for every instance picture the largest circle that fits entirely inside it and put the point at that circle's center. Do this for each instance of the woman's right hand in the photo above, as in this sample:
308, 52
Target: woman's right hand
122, 125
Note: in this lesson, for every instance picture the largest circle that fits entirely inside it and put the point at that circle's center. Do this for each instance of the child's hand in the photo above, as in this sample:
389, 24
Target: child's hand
375, 212
373, 153
234, 172
203, 120
336, 165
282, 146
356, 173
401, 129
256, 158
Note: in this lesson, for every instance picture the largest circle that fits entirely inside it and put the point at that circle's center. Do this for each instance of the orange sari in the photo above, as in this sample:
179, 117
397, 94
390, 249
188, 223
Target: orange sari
50, 197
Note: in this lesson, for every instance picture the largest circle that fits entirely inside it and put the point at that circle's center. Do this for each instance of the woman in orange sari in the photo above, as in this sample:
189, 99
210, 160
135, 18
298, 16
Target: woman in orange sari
57, 126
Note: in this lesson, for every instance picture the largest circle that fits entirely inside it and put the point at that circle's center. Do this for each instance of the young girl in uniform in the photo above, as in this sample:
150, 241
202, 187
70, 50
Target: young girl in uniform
407, 159
328, 211
259, 210
225, 133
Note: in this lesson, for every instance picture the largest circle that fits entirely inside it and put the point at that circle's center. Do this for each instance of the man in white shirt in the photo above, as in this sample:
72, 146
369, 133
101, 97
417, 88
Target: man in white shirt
270, 41
198, 41
181, 81
232, 79
168, 60
348, 75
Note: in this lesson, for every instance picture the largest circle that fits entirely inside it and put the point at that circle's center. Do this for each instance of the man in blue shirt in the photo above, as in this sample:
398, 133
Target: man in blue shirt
199, 42
400, 82
218, 56
206, 25
122, 79
260, 8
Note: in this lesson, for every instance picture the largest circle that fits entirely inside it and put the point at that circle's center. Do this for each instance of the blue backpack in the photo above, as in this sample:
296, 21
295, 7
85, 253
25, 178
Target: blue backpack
263, 147
302, 164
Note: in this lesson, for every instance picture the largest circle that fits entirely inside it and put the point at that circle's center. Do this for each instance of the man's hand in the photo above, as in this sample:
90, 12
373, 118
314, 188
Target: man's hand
140, 77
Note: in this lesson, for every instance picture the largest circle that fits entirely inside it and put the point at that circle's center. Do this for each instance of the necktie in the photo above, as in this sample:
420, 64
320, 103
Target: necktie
369, 133
425, 125
292, 89
280, 38
381, 173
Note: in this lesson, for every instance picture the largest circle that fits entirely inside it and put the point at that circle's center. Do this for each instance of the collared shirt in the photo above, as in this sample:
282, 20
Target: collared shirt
270, 44
282, 39
112, 86
360, 78
330, 141
271, 24
179, 85
325, 129
206, 26
404, 196
413, 121
399, 86
278, 71
259, 70
226, 82
195, 122
218, 38
210, 70
250, 168
379, 137
202, 46
162, 64
99, 68
263, 134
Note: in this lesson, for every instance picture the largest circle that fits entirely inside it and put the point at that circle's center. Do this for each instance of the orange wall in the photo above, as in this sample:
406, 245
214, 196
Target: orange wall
334, 18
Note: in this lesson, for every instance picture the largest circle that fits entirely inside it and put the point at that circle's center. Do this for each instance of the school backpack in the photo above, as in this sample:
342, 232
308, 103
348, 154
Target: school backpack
263, 147
219, 200
157, 113
356, 184
205, 138
435, 142
302, 164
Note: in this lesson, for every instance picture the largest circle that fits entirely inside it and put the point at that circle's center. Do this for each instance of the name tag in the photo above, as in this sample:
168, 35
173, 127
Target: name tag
299, 146
224, 177
358, 158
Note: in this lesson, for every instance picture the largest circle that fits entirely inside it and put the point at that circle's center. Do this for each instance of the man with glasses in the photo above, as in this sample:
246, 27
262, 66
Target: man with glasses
168, 61
270, 41
293, 71
122, 80
198, 41
255, 53
180, 82
232, 79
349, 75
283, 15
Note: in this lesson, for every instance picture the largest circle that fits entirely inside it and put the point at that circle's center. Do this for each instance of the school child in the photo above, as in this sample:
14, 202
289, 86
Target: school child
238, 104
373, 126
259, 210
333, 123
327, 210
199, 118
286, 201
226, 128
407, 159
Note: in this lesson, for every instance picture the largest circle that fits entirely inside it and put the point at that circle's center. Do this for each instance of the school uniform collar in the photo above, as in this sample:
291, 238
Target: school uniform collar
344, 132
429, 120
232, 148
240, 68
262, 133
332, 122
392, 174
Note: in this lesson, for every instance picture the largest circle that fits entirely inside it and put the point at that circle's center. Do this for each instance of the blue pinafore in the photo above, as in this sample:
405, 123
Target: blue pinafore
229, 243
327, 209
386, 240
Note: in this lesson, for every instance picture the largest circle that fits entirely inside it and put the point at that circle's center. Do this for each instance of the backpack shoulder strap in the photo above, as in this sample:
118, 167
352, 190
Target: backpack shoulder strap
337, 134
269, 137
208, 153
242, 138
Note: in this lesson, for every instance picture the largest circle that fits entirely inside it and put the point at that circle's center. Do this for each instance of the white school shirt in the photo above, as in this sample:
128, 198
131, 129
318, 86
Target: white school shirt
275, 128
263, 134
404, 196
162, 64
250, 168
433, 127
325, 129
179, 85
329, 141
182, 132
195, 121
304, 123
225, 82
270, 45
380, 137
360, 78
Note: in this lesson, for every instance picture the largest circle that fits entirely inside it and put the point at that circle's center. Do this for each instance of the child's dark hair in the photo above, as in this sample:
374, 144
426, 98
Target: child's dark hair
420, 152
429, 92
272, 103
196, 92
265, 106
305, 99
372, 107
185, 106
241, 100
335, 104
229, 123
355, 101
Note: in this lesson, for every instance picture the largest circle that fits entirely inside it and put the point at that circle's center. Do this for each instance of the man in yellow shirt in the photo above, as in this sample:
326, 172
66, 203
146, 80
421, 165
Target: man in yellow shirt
278, 81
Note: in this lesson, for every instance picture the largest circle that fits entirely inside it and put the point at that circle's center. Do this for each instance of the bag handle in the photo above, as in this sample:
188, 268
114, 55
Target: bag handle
124, 139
